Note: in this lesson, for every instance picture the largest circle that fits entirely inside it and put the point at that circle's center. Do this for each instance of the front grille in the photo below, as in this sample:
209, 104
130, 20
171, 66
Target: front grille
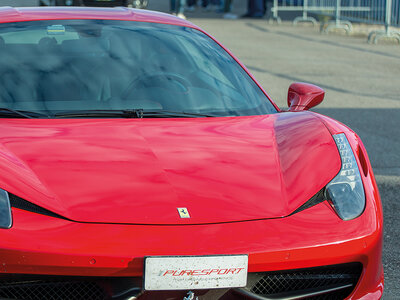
328, 282
32, 287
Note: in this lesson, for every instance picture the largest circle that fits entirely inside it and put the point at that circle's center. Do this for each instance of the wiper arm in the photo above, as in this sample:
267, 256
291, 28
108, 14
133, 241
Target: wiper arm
123, 113
21, 113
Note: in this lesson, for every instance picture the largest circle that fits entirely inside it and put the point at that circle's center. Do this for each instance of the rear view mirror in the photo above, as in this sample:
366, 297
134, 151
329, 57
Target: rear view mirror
303, 96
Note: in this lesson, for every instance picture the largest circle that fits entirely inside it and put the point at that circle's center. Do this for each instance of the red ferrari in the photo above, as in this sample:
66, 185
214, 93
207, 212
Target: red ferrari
141, 160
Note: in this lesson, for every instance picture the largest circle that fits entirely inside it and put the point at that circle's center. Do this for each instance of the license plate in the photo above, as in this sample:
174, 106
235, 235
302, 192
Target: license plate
195, 272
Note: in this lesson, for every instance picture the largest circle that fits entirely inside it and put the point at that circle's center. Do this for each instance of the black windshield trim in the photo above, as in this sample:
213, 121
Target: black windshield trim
21, 113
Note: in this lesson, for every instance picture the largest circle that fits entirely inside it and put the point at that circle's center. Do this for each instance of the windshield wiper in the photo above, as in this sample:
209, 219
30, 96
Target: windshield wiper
170, 113
21, 113
93, 113
128, 113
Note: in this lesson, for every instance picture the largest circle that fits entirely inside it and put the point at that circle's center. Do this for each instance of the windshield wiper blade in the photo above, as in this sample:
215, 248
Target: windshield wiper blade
169, 113
92, 113
128, 113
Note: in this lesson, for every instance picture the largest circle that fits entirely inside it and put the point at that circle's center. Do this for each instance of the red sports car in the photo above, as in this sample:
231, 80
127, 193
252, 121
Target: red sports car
141, 160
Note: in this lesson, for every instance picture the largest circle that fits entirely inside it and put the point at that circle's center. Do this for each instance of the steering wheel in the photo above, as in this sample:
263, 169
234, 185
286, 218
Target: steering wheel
169, 81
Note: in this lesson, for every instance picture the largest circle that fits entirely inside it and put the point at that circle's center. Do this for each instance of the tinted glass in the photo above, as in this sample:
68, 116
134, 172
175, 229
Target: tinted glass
76, 65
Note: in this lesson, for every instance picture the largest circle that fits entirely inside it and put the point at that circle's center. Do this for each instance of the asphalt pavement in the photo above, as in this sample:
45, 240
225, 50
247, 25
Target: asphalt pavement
362, 84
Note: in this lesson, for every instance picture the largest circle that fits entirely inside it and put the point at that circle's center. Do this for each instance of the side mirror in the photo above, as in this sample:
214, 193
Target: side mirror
303, 96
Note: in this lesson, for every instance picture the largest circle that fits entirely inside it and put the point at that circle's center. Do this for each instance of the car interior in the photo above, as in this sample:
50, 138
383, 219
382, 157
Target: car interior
112, 68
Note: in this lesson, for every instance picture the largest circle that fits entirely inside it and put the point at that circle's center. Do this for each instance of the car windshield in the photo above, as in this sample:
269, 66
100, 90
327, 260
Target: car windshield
84, 68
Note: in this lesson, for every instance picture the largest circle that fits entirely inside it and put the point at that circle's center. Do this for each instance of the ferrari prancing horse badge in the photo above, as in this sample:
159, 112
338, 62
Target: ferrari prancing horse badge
183, 212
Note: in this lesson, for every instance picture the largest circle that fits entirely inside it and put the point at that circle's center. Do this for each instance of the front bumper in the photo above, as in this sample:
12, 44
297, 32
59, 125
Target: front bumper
38, 244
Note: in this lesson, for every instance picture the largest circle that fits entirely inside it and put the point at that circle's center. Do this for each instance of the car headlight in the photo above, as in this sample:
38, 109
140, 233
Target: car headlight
5, 210
346, 192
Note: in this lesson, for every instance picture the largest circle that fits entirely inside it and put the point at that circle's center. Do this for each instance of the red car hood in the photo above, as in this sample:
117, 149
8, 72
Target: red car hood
140, 171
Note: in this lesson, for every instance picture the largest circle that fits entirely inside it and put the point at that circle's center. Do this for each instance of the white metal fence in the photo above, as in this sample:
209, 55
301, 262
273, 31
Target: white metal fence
383, 12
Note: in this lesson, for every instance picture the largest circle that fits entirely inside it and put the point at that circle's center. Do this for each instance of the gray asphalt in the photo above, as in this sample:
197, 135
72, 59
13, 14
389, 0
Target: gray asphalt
362, 84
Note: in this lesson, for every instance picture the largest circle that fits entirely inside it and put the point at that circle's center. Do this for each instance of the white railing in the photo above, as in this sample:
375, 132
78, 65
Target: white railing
383, 12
